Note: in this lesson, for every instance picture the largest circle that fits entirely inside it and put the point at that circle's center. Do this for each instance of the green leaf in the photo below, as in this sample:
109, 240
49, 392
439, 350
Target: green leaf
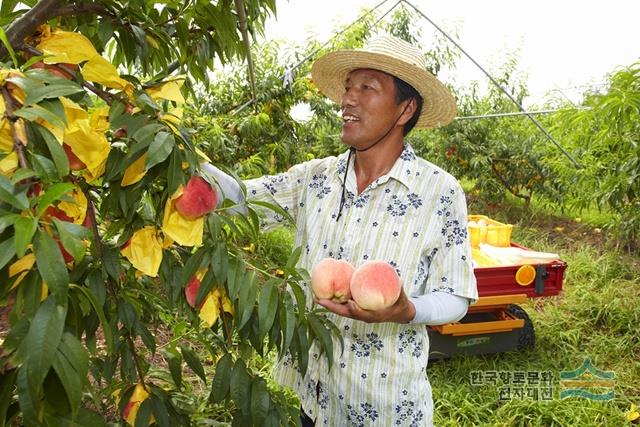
71, 363
146, 133
7, 6
267, 307
34, 112
276, 208
259, 401
175, 367
7, 45
323, 335
240, 385
235, 275
193, 264
69, 241
221, 379
293, 258
25, 227
42, 341
97, 307
206, 285
146, 337
193, 362
45, 167
160, 412
7, 220
247, 299
144, 414
28, 392
7, 384
302, 343
21, 174
220, 262
82, 419
51, 265
57, 88
160, 149
53, 193
298, 293
111, 261
288, 323
7, 251
58, 155
10, 195
175, 175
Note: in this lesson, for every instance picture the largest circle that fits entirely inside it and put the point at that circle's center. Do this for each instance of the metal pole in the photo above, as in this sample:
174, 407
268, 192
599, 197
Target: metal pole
488, 116
495, 82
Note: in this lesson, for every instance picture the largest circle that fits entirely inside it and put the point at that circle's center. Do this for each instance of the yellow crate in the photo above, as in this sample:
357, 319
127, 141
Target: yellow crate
483, 229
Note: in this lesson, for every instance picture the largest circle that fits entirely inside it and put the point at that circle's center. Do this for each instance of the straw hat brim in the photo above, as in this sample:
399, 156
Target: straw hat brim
330, 71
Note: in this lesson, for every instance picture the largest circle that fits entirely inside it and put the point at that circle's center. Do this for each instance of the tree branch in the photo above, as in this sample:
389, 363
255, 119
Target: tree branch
504, 182
42, 12
108, 97
26, 25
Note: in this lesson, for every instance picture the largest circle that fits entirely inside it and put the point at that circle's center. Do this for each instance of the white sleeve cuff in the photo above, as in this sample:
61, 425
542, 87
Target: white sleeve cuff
438, 308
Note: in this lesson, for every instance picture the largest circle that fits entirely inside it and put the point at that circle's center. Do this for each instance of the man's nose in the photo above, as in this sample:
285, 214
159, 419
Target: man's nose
348, 98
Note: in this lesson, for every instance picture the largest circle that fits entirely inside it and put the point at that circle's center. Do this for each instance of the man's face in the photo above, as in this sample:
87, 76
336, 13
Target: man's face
369, 107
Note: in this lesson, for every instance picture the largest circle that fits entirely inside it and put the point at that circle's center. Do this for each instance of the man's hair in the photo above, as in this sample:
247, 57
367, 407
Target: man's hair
405, 91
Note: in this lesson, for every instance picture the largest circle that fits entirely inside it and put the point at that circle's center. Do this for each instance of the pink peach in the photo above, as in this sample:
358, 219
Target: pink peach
375, 285
191, 291
197, 199
330, 279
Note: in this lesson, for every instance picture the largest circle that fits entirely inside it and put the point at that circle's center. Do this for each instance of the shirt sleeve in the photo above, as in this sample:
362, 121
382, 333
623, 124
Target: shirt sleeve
438, 308
452, 268
284, 190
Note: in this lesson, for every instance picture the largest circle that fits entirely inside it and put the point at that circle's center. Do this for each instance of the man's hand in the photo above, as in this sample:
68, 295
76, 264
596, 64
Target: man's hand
402, 311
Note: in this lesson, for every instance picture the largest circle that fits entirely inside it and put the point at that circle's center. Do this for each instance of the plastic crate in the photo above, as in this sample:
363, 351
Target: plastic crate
493, 233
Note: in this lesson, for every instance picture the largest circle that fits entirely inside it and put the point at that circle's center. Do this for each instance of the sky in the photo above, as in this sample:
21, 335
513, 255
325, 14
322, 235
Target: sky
562, 46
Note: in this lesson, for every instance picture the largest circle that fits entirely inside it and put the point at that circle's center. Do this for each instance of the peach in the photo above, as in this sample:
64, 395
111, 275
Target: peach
75, 163
375, 285
191, 291
198, 198
64, 70
55, 212
330, 279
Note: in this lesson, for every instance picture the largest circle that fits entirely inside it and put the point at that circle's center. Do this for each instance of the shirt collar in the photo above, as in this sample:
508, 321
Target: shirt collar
403, 169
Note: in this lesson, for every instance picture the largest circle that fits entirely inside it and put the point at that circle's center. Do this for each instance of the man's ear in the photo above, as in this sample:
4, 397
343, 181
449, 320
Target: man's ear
408, 112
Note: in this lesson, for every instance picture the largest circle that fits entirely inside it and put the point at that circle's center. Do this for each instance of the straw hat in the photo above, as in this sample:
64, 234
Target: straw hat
397, 58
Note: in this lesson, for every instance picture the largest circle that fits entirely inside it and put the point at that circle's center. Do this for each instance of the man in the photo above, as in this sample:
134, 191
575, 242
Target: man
378, 201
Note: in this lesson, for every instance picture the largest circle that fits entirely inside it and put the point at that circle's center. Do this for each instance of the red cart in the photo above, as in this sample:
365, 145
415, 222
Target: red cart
496, 323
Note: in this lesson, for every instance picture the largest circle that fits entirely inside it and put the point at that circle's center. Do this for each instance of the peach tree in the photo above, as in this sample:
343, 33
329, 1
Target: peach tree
110, 233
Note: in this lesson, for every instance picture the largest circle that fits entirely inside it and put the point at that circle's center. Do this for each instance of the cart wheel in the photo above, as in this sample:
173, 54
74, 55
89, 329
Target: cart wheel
527, 335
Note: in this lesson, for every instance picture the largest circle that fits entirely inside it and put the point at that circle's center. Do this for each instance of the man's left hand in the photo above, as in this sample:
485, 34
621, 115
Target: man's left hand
402, 311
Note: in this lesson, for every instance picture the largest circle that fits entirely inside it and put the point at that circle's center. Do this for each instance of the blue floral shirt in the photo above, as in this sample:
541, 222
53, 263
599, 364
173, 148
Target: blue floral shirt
415, 218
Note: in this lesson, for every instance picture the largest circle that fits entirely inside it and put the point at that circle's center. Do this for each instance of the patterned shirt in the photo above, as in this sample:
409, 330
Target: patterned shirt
415, 218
